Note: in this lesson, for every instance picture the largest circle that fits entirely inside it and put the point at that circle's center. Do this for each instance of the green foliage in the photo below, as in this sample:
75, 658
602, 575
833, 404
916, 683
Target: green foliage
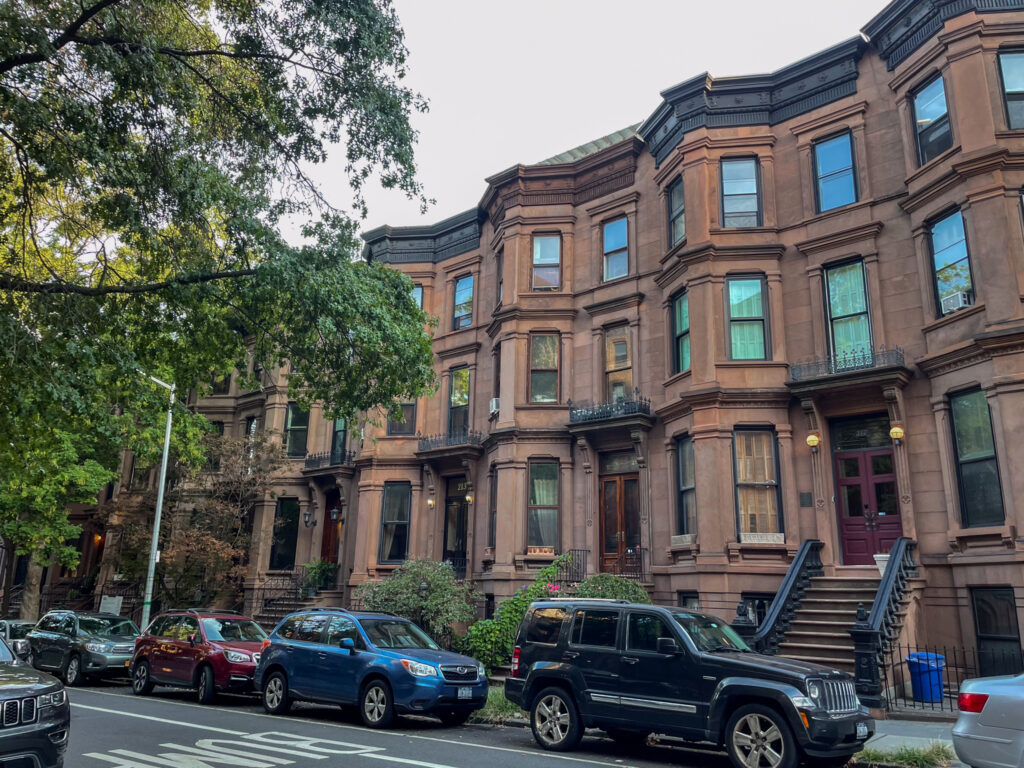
150, 153
491, 641
320, 573
498, 709
608, 586
935, 755
444, 601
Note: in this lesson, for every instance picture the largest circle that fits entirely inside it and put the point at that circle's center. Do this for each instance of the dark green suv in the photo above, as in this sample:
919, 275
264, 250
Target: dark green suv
634, 669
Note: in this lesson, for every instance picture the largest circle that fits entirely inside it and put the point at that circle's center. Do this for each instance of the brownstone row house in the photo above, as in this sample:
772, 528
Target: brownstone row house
785, 307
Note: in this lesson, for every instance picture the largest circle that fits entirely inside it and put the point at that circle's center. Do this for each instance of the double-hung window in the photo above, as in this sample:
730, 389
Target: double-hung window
618, 364
981, 501
748, 318
501, 276
951, 262
296, 427
1011, 67
462, 314
339, 439
394, 522
681, 333
741, 192
676, 213
931, 120
616, 248
407, 424
835, 184
542, 512
686, 504
544, 368
547, 262
417, 295
286, 534
758, 501
849, 325
458, 402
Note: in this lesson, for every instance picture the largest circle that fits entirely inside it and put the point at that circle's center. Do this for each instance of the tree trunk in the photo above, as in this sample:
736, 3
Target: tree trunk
33, 585
10, 563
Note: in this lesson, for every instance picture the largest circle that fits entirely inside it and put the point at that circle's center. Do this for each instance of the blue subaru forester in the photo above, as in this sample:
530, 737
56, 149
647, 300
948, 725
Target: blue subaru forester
383, 663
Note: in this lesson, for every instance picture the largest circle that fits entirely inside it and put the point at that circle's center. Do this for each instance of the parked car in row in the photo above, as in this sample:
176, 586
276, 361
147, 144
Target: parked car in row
989, 733
14, 629
209, 651
634, 669
383, 663
34, 714
81, 644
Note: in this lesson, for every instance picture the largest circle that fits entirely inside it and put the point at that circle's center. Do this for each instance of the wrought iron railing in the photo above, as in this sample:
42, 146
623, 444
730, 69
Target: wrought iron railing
631, 564
276, 595
130, 593
332, 458
772, 631
610, 409
449, 440
573, 570
875, 633
67, 594
458, 565
862, 358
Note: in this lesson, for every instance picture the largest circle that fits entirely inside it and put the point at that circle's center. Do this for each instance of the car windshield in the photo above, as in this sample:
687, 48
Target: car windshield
233, 630
6, 656
18, 631
394, 633
98, 625
709, 634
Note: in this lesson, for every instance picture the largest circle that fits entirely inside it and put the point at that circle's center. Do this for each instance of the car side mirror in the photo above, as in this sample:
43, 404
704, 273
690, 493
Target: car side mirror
21, 649
667, 646
192, 639
348, 642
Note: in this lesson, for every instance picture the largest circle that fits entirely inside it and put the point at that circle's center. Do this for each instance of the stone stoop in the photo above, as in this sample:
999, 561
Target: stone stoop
820, 630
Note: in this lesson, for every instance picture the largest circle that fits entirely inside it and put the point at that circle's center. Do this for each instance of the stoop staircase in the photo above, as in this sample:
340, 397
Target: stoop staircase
819, 631
272, 611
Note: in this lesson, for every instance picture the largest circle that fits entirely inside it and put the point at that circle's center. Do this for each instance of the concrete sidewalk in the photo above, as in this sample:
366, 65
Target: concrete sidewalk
890, 734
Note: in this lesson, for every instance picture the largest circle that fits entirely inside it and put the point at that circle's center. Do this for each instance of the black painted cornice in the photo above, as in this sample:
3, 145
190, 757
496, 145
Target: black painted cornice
432, 243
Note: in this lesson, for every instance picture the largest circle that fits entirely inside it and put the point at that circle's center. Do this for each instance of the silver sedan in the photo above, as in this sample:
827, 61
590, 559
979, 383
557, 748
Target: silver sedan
990, 730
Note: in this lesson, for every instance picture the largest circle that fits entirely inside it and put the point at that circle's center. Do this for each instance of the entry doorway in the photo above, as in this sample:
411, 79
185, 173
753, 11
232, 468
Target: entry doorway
456, 512
867, 497
620, 510
332, 527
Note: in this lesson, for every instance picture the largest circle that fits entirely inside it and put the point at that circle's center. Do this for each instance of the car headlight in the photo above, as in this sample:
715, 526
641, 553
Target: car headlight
481, 671
237, 656
54, 699
98, 647
418, 669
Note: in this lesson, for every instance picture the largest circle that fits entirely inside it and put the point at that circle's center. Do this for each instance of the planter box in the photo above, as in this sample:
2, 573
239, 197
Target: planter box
540, 551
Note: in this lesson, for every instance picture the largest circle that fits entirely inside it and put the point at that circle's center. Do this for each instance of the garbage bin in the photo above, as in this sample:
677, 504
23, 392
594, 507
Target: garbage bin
926, 675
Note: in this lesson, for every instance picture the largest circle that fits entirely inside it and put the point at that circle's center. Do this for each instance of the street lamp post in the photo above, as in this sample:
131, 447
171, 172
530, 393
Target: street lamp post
148, 599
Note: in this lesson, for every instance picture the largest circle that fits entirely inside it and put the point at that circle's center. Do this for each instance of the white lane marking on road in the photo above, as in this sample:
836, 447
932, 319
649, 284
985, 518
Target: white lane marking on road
159, 719
399, 734
407, 761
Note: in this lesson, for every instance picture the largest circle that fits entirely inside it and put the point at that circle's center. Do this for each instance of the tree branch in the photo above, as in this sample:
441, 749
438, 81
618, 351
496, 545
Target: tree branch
20, 285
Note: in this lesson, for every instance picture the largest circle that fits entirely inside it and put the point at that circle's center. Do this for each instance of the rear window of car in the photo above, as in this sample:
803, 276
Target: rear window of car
18, 631
233, 630
595, 627
545, 625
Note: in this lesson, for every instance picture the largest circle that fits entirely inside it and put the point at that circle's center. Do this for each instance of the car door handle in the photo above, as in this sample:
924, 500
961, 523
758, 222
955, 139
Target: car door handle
322, 655
630, 659
570, 654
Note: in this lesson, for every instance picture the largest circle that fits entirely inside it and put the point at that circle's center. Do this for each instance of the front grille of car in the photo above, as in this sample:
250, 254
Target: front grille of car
123, 650
459, 674
19, 711
840, 696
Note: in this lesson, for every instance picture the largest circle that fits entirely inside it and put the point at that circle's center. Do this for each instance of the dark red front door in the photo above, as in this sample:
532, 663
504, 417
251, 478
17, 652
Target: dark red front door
868, 502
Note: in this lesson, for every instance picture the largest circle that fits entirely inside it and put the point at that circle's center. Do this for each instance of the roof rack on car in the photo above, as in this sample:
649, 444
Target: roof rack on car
349, 610
217, 611
584, 600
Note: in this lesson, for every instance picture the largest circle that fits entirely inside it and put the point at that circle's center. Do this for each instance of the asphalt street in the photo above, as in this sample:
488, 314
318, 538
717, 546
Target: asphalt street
112, 727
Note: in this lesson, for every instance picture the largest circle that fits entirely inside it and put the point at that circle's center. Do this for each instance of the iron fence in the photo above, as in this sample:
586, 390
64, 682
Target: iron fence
131, 596
631, 564
333, 458
862, 358
276, 595
929, 677
609, 409
574, 570
449, 440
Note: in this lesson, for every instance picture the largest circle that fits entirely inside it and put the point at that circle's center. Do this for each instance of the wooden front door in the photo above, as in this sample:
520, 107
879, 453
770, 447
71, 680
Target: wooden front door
620, 519
868, 504
332, 529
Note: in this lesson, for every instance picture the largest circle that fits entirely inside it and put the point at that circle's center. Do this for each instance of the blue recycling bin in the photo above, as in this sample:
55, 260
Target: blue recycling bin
926, 675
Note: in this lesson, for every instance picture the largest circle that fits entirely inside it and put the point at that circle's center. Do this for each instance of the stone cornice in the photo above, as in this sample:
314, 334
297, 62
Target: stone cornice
752, 100
533, 314
985, 161
463, 349
709, 251
834, 240
985, 346
630, 301
452, 237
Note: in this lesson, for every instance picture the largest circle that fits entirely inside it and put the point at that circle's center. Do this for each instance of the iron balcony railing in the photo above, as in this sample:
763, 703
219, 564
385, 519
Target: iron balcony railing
610, 409
573, 570
861, 359
450, 440
335, 458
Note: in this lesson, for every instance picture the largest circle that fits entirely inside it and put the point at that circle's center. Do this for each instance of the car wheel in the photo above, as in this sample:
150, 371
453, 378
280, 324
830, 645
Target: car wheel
275, 694
627, 738
453, 717
73, 671
375, 705
142, 683
758, 737
555, 721
207, 692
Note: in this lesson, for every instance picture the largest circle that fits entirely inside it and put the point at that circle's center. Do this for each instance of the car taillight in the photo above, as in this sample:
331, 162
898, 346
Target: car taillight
971, 702
515, 662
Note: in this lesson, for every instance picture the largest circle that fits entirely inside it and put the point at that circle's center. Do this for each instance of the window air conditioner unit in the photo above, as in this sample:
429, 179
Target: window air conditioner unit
495, 402
956, 301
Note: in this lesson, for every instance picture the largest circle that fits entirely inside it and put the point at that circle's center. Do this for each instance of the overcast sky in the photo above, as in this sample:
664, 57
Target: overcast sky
518, 82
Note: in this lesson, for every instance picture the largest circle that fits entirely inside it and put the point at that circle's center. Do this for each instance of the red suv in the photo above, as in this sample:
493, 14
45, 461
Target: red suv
207, 650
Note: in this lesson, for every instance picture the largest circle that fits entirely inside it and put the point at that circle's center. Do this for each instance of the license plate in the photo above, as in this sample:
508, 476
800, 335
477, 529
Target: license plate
465, 693
862, 730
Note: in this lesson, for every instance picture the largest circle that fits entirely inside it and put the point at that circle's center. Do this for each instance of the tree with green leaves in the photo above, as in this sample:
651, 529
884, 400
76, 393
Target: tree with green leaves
150, 153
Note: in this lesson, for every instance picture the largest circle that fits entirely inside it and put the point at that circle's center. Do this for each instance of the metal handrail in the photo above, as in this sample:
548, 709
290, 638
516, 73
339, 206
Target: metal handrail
862, 358
766, 638
631, 564
574, 570
333, 458
609, 409
449, 440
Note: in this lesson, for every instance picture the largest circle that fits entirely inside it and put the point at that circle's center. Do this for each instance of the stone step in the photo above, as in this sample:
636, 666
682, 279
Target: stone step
841, 582
814, 649
823, 615
836, 639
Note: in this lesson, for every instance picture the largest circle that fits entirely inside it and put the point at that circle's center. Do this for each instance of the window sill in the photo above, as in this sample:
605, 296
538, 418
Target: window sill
397, 437
541, 406
674, 251
924, 169
962, 538
1010, 133
677, 377
761, 230
838, 211
755, 363
616, 280
952, 317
